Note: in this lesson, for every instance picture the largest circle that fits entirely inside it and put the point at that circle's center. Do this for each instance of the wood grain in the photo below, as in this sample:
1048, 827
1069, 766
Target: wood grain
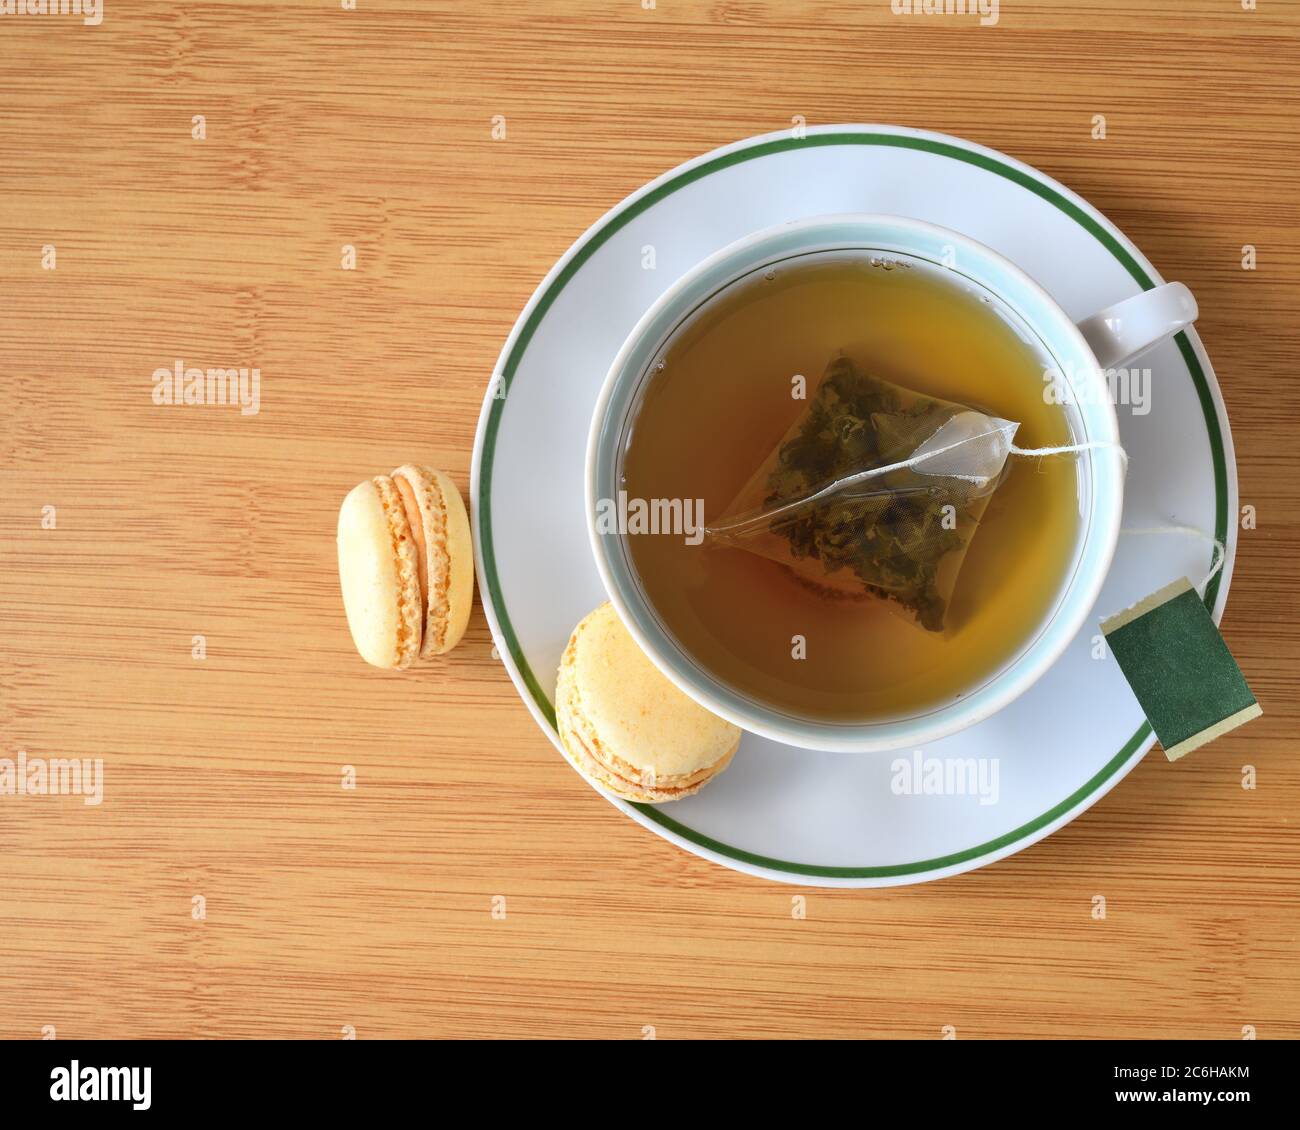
372, 907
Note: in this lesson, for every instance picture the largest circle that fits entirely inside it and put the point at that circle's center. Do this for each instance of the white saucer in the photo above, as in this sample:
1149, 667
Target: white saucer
801, 816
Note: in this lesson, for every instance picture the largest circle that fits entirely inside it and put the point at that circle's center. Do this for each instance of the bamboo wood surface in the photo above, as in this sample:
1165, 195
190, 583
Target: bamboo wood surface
373, 908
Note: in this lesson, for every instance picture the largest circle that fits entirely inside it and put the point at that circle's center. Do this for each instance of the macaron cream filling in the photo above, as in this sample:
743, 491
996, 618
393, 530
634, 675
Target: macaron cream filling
405, 560
425, 493
416, 523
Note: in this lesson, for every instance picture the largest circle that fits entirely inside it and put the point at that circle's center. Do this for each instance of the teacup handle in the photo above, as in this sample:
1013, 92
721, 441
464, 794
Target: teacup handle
1119, 333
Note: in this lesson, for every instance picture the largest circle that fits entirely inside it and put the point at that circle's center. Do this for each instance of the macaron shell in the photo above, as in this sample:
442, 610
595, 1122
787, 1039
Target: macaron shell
449, 556
579, 746
378, 574
626, 725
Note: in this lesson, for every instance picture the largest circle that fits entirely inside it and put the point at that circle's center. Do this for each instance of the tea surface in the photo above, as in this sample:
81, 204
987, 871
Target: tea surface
723, 396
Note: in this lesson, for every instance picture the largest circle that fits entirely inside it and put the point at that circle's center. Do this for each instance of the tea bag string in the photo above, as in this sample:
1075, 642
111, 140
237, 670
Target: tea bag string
1220, 550
1071, 449
757, 518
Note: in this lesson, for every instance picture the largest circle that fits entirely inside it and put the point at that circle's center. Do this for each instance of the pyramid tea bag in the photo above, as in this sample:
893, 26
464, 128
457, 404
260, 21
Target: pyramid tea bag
874, 491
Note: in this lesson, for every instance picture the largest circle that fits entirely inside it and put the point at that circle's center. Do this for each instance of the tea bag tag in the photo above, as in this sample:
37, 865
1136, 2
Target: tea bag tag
1185, 678
969, 445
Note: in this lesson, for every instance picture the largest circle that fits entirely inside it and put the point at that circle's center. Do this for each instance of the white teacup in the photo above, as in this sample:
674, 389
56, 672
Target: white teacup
1081, 353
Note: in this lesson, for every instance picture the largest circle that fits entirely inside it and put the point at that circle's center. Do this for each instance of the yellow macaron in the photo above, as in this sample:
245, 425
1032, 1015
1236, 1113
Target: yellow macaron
626, 726
406, 565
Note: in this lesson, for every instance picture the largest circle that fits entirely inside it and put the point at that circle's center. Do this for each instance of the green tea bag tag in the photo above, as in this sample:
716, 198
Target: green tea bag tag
1182, 672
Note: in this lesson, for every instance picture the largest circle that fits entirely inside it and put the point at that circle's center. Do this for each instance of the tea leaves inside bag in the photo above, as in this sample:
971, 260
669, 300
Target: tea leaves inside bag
832, 503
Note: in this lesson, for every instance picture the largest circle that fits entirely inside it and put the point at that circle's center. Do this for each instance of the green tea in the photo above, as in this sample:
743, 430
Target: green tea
725, 389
